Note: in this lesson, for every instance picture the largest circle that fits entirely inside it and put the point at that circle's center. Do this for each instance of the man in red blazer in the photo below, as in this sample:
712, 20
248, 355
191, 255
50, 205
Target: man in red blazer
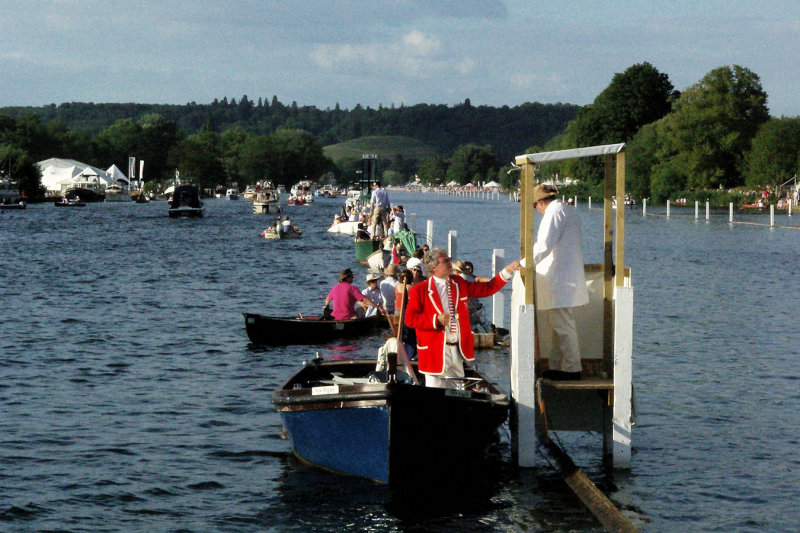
444, 338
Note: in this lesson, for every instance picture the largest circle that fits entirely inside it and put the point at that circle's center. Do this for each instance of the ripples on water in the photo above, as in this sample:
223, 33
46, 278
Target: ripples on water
131, 399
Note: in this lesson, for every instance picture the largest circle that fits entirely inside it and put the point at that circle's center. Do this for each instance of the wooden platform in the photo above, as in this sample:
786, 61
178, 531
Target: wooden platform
582, 384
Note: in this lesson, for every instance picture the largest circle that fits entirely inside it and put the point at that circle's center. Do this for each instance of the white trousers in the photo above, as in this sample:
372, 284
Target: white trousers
453, 368
566, 355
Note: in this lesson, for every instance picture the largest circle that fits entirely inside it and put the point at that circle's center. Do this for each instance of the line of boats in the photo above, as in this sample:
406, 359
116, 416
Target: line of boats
373, 418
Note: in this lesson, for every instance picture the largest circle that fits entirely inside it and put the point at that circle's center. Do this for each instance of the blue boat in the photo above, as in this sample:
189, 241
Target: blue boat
345, 417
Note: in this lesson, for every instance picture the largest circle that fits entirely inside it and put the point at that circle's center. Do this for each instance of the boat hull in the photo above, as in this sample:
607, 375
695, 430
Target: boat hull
186, 212
386, 432
269, 330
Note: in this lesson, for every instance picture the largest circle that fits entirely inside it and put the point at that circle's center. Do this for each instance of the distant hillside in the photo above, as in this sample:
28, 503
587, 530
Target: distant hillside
386, 146
510, 130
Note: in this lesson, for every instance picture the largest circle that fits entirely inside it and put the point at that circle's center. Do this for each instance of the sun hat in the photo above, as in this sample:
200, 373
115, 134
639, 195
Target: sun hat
373, 276
390, 270
543, 192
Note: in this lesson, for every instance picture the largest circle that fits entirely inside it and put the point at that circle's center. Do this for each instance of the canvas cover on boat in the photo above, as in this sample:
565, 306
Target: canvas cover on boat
185, 195
407, 238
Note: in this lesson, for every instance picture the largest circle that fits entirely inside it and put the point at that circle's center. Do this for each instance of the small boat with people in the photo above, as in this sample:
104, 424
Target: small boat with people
69, 202
266, 201
10, 196
343, 226
232, 194
308, 329
372, 419
282, 229
186, 202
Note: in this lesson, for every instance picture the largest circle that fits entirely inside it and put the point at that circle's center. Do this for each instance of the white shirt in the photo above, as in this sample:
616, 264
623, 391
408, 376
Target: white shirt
558, 256
399, 220
387, 291
375, 297
441, 288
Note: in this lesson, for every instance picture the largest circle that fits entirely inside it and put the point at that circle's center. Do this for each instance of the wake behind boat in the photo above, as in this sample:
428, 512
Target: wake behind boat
346, 417
272, 330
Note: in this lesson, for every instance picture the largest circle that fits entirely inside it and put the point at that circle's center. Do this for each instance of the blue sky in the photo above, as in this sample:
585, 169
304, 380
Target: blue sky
376, 52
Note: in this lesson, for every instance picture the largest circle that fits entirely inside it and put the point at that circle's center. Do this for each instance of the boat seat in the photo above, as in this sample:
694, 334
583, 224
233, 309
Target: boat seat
339, 380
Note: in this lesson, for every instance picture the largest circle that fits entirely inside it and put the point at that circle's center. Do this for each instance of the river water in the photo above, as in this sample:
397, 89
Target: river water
131, 399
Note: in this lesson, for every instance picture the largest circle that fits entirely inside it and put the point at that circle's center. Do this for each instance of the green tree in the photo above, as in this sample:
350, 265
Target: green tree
201, 161
636, 97
157, 137
773, 158
433, 170
298, 155
704, 140
472, 163
20, 167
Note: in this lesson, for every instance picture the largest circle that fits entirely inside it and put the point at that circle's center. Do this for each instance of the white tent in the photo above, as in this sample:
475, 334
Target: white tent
491, 184
117, 175
59, 174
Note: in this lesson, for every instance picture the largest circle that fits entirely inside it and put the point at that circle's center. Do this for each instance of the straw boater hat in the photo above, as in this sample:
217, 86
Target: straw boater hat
344, 274
373, 276
543, 192
458, 266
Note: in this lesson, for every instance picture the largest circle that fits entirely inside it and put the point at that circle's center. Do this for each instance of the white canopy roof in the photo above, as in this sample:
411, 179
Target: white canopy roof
58, 174
574, 153
117, 175
490, 184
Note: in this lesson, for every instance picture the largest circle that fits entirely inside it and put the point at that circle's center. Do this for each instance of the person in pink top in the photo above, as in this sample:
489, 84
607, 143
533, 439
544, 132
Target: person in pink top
344, 296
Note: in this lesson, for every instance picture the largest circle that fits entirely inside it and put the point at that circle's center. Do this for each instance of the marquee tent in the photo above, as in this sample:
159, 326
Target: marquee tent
117, 175
60, 174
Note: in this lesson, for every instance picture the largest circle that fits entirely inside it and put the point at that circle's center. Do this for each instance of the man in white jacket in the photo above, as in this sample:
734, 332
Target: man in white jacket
560, 281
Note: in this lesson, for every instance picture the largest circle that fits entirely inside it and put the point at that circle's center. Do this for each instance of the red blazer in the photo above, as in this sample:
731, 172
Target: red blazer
423, 306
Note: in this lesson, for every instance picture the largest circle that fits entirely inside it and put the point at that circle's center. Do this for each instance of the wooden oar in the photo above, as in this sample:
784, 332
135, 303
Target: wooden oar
401, 352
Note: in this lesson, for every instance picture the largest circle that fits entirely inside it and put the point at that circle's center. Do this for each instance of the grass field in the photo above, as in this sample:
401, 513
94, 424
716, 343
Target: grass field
387, 147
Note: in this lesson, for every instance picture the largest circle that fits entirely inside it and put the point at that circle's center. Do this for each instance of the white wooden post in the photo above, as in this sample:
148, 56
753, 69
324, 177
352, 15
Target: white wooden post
429, 234
590, 202
452, 244
523, 396
790, 206
623, 376
644, 207
707, 209
771, 215
498, 298
576, 201
667, 208
730, 212
696, 210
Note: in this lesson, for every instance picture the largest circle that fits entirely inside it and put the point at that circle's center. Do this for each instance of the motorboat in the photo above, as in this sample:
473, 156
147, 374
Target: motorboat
186, 202
232, 194
116, 192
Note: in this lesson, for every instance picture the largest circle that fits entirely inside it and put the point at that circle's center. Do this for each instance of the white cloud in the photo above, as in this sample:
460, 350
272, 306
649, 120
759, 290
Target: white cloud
414, 55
